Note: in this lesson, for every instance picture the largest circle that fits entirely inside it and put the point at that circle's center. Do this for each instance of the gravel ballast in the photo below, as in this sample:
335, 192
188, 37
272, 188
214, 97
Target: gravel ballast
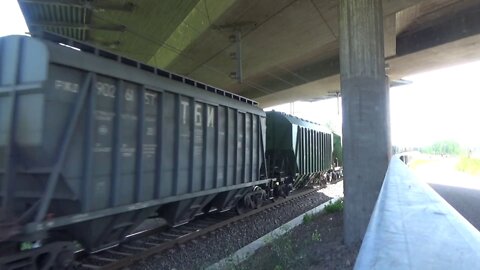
202, 252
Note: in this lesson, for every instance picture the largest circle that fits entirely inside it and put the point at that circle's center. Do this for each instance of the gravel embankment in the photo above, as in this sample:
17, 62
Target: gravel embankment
209, 249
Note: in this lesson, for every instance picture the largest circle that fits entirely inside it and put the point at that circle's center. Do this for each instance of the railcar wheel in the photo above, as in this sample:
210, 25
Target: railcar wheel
251, 200
240, 207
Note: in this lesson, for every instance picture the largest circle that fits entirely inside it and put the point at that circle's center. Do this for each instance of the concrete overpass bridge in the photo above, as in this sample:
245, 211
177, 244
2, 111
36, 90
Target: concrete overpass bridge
289, 48
277, 51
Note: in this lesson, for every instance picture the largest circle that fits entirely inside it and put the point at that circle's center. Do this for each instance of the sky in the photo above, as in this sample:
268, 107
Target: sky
324, 112
11, 19
438, 105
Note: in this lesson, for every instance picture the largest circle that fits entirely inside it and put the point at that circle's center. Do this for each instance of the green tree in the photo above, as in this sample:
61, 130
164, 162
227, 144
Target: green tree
443, 148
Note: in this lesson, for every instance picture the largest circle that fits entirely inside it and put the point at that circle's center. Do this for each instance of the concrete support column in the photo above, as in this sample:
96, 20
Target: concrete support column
366, 130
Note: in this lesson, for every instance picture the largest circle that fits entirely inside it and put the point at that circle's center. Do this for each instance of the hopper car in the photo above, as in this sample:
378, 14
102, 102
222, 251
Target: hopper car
93, 143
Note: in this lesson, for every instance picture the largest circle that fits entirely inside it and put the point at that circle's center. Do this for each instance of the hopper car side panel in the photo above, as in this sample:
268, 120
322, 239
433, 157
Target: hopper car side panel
90, 147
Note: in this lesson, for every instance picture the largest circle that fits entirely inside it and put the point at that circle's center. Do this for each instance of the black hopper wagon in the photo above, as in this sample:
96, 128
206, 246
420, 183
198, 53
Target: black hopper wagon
92, 144
300, 152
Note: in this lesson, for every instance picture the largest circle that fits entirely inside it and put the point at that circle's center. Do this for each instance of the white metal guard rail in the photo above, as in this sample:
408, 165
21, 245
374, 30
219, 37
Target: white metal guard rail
412, 227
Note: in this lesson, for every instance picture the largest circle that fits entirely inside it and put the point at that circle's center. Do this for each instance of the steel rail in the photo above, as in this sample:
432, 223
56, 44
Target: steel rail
143, 253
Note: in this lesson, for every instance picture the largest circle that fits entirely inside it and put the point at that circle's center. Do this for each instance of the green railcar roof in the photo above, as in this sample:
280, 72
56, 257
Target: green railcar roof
301, 122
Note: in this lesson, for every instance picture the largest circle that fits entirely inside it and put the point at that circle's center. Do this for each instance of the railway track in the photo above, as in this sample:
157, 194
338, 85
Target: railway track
152, 243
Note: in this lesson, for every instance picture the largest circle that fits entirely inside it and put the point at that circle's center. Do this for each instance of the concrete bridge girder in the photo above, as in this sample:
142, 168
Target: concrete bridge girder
288, 46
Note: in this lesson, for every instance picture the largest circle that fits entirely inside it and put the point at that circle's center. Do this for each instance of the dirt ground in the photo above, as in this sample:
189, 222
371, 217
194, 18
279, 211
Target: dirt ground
316, 244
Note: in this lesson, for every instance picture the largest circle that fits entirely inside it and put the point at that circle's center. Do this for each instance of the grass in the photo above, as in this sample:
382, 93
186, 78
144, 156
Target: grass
316, 236
334, 207
288, 252
469, 165
307, 218
329, 208
418, 162
291, 250
283, 255
284, 250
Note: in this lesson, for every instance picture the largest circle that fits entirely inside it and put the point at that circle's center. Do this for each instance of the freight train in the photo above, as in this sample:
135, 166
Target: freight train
93, 143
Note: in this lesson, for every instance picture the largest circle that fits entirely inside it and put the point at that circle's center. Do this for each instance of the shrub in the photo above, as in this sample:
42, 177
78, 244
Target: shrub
334, 207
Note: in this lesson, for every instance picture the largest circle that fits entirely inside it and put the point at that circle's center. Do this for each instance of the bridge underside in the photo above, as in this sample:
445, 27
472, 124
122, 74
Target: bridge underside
289, 48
